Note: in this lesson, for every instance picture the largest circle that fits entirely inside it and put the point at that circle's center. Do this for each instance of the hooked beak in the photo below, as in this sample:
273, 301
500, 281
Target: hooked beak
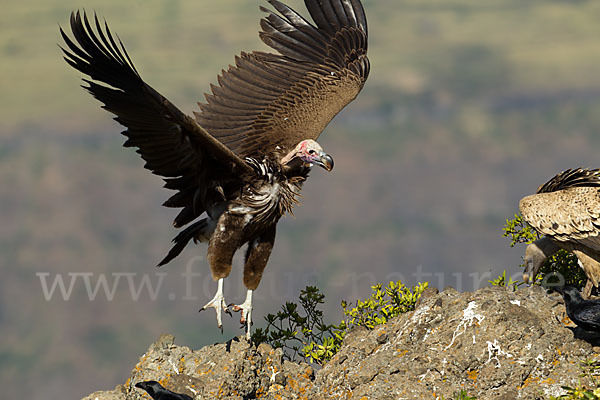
325, 161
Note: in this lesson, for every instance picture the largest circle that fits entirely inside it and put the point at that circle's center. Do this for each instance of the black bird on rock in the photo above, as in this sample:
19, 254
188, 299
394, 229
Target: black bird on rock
566, 210
239, 165
158, 392
584, 313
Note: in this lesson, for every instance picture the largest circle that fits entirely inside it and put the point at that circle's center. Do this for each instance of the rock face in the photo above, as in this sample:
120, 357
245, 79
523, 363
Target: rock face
493, 343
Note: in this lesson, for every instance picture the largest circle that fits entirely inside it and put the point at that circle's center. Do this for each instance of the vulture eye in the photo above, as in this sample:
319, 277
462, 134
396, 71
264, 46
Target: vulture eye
312, 152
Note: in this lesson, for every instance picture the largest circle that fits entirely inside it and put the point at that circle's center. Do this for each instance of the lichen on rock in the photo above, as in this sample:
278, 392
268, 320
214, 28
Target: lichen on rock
493, 343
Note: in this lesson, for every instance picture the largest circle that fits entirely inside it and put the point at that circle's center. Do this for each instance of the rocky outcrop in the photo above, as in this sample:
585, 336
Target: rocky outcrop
493, 343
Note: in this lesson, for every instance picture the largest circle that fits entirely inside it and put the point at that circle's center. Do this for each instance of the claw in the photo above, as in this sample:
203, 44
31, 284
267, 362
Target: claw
218, 303
246, 310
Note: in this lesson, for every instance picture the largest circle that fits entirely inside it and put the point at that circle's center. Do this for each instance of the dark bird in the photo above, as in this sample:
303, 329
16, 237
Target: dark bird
239, 165
584, 313
566, 210
157, 392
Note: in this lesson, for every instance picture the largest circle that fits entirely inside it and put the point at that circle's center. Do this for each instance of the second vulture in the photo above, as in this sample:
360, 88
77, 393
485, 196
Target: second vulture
566, 210
239, 165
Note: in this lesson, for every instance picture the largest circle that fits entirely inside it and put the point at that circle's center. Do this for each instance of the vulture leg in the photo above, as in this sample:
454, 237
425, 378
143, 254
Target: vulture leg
221, 248
587, 290
591, 267
218, 303
257, 256
246, 309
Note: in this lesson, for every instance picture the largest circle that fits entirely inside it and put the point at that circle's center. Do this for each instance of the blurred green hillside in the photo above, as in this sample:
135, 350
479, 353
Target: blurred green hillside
470, 105
460, 48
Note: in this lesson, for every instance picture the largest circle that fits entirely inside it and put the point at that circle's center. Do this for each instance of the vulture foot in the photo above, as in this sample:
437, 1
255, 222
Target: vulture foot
246, 309
218, 303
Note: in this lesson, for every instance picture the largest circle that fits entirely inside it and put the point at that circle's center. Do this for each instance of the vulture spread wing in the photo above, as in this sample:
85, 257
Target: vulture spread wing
268, 103
173, 145
567, 208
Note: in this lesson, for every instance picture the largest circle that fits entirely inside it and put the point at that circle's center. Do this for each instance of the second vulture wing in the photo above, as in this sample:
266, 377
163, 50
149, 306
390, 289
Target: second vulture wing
567, 207
267, 103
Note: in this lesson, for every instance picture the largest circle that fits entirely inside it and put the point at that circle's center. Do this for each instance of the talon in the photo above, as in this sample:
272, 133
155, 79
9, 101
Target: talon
246, 310
218, 303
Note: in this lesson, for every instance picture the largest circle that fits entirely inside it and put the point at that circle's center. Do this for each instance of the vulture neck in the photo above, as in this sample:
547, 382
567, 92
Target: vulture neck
295, 168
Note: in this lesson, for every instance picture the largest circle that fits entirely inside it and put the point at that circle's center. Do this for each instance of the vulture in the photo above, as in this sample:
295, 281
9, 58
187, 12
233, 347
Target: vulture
236, 166
566, 210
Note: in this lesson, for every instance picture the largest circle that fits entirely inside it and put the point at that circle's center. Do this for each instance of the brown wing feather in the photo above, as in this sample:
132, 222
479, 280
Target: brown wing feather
578, 177
173, 145
567, 215
269, 100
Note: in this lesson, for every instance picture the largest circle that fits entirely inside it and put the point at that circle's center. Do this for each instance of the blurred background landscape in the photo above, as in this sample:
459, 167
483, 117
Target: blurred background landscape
469, 106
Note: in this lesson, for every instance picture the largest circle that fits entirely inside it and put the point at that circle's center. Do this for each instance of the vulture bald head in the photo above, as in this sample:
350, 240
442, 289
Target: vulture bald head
307, 153
566, 211
238, 165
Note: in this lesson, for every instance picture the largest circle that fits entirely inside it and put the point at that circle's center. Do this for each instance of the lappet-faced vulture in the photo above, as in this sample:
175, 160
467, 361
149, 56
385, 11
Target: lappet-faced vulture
566, 210
239, 165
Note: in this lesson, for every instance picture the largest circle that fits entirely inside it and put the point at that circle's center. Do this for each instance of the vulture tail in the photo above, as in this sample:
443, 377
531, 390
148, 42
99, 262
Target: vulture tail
199, 231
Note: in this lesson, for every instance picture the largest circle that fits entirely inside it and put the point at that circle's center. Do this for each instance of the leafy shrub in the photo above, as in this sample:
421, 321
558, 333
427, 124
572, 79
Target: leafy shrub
563, 262
303, 332
293, 332
383, 305
501, 281
519, 231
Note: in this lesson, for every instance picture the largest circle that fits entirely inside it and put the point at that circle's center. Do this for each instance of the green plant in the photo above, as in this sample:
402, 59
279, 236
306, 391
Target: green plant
384, 304
519, 231
292, 331
591, 371
305, 333
562, 262
501, 281
462, 395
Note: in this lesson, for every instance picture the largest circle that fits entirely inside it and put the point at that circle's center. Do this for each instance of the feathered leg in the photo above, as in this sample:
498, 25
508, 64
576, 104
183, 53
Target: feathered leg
591, 267
587, 289
257, 256
225, 240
